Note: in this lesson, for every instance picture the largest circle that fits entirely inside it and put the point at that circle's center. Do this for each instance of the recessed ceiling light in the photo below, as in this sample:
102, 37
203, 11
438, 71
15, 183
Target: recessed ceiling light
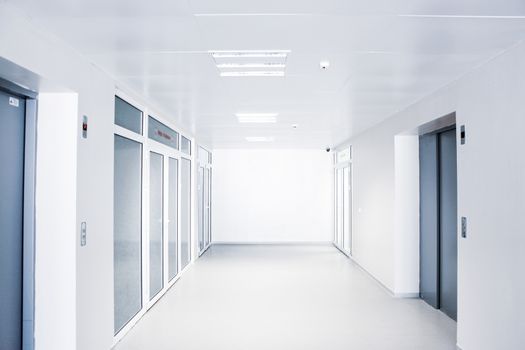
463, 16
253, 74
260, 138
250, 14
257, 117
256, 114
250, 65
250, 54
324, 65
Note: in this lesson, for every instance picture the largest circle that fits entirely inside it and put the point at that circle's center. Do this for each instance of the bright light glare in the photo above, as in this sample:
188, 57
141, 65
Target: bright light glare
260, 138
257, 117
250, 65
253, 74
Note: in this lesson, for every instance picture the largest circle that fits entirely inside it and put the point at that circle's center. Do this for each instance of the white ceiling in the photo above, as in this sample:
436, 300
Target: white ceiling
384, 55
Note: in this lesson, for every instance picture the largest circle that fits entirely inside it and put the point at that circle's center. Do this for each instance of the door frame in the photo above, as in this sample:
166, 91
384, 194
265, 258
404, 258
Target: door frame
28, 253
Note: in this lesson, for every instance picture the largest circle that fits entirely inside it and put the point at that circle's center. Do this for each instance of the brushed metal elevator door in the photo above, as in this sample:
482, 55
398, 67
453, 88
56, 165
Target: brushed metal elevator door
429, 225
438, 221
448, 224
12, 129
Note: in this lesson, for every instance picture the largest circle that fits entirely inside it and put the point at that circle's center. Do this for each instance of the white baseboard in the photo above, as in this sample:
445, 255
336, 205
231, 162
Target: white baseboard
407, 295
321, 243
410, 295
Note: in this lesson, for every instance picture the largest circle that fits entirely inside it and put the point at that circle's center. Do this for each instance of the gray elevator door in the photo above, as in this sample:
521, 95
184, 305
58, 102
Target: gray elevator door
448, 223
429, 235
438, 221
12, 120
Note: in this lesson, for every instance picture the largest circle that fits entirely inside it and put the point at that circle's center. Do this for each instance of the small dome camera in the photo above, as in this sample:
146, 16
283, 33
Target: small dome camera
328, 149
324, 65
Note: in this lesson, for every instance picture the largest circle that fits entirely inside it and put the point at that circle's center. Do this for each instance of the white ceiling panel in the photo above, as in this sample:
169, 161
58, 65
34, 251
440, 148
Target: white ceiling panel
384, 55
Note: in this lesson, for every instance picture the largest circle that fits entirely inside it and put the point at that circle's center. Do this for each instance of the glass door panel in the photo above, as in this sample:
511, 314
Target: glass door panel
156, 222
200, 214
173, 207
127, 246
347, 207
207, 207
340, 208
185, 212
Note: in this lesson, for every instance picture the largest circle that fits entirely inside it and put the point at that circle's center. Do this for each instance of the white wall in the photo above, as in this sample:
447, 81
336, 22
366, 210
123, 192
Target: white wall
272, 196
55, 258
491, 193
406, 216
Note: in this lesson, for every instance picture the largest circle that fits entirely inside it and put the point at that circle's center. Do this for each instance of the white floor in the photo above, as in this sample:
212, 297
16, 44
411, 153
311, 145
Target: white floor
285, 297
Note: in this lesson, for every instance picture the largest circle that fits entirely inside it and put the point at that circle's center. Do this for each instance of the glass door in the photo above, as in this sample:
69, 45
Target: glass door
185, 212
156, 224
347, 210
343, 200
204, 199
207, 207
201, 208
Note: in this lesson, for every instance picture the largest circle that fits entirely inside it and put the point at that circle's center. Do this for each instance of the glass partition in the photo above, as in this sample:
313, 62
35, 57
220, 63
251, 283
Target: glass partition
161, 133
128, 116
185, 145
156, 220
185, 212
127, 230
173, 217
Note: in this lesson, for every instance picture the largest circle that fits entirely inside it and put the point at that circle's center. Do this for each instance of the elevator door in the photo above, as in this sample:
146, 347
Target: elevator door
12, 119
438, 221
448, 223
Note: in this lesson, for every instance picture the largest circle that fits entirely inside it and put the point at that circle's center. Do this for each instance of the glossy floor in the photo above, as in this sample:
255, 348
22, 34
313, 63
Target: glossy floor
285, 297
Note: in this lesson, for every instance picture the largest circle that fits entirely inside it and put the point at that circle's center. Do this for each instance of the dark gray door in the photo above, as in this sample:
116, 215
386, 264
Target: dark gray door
12, 117
438, 221
448, 223
429, 226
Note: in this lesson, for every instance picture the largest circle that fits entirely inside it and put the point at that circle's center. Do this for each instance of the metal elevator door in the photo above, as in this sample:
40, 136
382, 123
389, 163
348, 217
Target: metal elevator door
12, 129
448, 224
438, 221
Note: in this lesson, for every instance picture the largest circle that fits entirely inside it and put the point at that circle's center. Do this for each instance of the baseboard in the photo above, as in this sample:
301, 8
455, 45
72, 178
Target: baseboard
407, 295
320, 243
384, 287
414, 295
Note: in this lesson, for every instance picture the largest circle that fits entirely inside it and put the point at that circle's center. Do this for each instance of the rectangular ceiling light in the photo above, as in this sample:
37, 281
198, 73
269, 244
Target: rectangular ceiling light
257, 117
253, 74
260, 139
250, 65
250, 54
463, 16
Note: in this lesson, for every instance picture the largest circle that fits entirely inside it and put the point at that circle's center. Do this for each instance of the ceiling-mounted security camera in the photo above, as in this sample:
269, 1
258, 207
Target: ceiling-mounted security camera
324, 65
328, 149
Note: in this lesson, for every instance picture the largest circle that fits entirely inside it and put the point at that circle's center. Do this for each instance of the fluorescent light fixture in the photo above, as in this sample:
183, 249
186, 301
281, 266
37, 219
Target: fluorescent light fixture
250, 14
260, 138
463, 16
257, 117
250, 54
253, 74
250, 65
